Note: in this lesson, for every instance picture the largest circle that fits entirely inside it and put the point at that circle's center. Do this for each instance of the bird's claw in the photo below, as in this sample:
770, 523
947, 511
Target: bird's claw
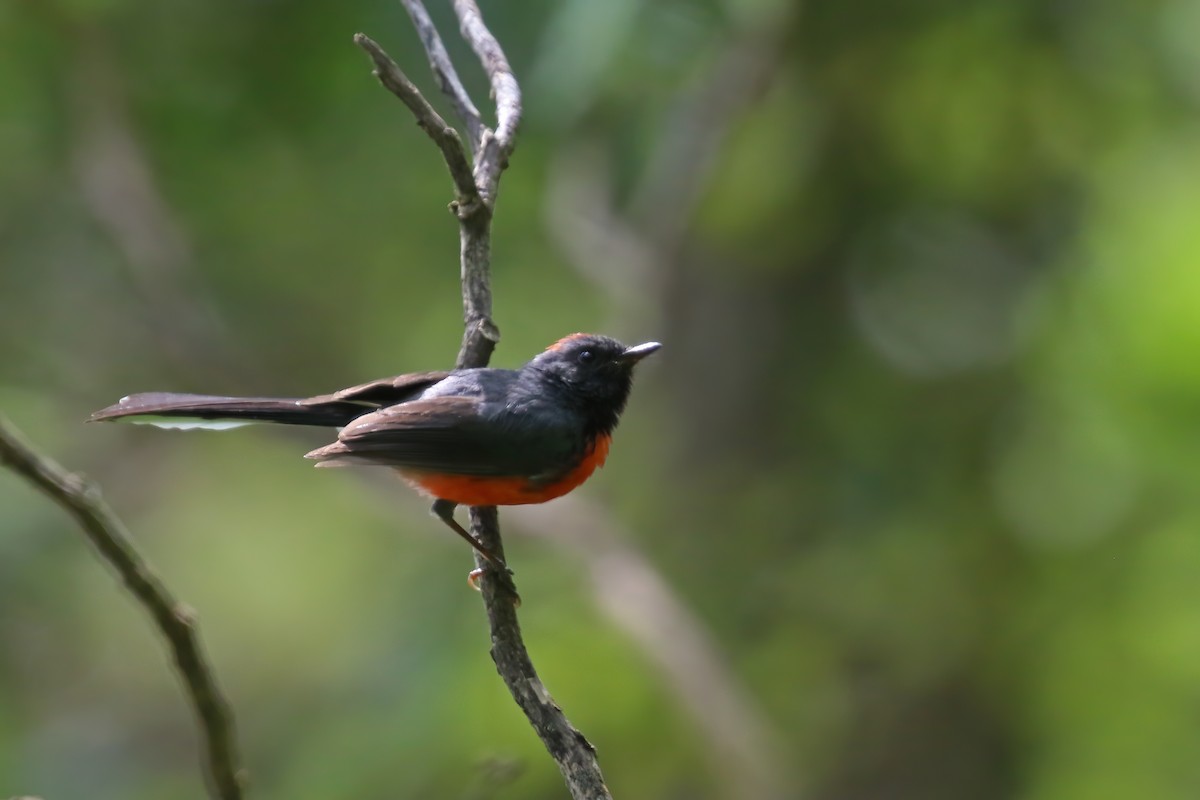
473, 578
475, 575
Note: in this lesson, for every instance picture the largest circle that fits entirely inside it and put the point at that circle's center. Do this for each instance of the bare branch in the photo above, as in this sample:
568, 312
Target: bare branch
444, 73
480, 333
497, 148
575, 756
504, 84
174, 619
443, 135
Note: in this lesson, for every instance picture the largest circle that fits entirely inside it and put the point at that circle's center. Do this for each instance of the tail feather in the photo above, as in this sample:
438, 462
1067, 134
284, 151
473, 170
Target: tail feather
236, 409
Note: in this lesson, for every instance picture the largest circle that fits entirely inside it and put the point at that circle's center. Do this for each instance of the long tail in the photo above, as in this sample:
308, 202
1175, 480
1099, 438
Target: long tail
170, 410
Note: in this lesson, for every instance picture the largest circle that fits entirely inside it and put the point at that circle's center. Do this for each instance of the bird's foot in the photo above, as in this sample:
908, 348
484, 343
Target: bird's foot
476, 575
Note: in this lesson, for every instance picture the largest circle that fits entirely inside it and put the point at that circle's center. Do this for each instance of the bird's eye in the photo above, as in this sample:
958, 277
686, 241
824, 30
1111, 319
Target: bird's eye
586, 356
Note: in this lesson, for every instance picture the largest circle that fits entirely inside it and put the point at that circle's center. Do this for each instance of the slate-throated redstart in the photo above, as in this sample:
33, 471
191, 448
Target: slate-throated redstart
477, 437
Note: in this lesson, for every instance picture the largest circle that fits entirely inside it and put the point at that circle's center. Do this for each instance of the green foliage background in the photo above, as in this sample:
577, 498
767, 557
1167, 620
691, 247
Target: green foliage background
919, 454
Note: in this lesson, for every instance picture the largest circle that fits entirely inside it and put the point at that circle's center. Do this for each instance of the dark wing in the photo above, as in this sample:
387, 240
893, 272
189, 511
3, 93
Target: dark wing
382, 392
449, 435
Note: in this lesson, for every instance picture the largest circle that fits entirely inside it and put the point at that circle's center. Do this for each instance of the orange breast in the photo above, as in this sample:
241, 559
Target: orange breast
476, 490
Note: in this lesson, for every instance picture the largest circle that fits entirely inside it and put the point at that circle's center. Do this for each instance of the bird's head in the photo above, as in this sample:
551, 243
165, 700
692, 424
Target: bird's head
594, 372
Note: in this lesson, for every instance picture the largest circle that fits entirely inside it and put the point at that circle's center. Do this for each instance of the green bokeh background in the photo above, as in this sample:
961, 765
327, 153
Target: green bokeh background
906, 507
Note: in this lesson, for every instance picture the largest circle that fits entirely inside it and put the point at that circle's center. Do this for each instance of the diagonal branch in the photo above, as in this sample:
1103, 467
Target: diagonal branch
575, 756
175, 620
570, 749
443, 135
445, 74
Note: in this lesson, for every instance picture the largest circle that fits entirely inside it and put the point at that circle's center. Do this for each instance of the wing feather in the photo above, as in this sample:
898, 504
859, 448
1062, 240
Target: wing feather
384, 391
452, 435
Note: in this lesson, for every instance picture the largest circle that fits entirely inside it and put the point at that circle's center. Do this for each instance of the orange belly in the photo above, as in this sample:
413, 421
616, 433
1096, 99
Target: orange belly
478, 490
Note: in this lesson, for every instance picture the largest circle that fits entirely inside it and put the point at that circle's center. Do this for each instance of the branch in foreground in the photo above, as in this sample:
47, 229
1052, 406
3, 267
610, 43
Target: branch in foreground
174, 619
575, 756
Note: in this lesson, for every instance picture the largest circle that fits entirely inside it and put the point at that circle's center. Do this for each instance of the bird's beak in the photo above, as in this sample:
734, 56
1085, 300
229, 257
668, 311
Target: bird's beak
634, 354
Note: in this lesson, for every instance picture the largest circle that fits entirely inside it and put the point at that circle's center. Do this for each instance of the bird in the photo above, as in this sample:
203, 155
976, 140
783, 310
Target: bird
475, 437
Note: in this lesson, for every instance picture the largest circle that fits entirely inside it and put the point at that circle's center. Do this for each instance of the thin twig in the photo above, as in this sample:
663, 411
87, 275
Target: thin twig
575, 756
445, 74
443, 135
174, 619
570, 749
496, 149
